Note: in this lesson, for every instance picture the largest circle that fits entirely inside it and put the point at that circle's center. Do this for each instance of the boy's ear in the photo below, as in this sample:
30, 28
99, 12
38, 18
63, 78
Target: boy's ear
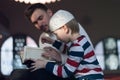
66, 29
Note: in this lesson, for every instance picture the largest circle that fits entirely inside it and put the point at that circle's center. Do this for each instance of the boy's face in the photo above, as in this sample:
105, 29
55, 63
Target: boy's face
62, 34
40, 19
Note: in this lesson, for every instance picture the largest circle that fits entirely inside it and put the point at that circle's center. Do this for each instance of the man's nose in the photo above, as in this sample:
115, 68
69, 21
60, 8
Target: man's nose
37, 26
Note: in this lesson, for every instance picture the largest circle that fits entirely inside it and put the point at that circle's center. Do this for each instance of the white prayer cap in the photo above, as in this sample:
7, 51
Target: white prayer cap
60, 18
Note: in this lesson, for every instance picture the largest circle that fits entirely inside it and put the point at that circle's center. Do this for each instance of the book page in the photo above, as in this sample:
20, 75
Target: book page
33, 53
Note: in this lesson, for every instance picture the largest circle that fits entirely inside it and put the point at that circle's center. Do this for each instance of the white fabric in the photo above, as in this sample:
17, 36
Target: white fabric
83, 32
60, 18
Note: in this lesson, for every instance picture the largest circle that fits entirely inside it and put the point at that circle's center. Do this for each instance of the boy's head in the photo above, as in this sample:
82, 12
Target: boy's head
61, 18
39, 14
63, 23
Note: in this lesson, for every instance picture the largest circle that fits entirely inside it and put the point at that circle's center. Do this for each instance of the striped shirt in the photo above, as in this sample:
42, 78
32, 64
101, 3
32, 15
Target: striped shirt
81, 60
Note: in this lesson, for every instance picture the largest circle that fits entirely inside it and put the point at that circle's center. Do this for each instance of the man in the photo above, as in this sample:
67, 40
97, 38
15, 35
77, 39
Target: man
39, 15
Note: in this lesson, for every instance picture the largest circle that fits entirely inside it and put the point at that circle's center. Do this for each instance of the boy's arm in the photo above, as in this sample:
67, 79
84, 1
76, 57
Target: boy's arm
63, 58
60, 46
63, 50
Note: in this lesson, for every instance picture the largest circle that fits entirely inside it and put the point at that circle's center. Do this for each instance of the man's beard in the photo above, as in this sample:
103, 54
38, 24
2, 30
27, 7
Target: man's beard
43, 28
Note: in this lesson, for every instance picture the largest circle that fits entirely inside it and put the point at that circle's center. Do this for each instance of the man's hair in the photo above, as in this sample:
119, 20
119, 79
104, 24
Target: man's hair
73, 25
30, 9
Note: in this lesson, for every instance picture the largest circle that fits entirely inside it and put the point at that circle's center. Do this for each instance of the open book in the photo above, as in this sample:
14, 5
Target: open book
33, 53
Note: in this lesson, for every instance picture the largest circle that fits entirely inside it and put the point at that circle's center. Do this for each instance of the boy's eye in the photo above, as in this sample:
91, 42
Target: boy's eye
55, 34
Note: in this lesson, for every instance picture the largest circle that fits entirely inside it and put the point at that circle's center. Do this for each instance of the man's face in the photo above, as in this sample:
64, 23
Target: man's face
40, 19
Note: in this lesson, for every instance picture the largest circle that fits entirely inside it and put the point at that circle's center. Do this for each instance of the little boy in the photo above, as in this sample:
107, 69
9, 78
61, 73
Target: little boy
81, 61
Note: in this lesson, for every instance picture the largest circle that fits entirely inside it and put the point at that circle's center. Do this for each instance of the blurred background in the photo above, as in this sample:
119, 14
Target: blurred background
100, 18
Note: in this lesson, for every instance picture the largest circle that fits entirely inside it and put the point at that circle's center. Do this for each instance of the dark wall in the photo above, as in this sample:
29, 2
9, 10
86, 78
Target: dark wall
100, 18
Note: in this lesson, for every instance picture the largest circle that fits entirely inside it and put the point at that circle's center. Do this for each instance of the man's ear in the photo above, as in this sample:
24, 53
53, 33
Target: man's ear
49, 11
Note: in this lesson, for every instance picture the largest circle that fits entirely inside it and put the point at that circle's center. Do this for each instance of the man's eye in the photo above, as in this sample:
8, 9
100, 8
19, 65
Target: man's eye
35, 22
40, 18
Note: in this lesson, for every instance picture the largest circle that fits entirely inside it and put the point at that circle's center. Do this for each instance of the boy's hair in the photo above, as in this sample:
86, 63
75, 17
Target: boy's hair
30, 9
73, 25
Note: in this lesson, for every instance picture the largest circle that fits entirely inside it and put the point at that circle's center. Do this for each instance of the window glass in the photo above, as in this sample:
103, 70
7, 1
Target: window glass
10, 58
108, 53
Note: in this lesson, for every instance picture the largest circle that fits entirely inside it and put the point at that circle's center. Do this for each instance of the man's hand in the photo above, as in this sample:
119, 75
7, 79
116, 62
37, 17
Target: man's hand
47, 40
38, 64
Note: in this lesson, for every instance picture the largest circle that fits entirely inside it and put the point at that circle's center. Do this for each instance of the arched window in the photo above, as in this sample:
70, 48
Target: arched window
108, 53
10, 49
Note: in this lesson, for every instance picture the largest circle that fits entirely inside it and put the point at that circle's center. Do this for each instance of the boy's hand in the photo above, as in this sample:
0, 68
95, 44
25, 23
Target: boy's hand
52, 54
